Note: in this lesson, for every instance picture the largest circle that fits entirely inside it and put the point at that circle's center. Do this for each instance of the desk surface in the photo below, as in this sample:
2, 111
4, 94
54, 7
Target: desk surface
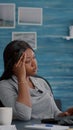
20, 125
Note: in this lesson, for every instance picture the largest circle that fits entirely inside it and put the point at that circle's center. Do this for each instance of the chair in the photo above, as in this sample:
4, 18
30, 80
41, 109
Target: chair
1, 105
58, 103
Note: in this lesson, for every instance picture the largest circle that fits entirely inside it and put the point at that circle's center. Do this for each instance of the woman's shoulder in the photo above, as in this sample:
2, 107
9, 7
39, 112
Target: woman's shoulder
3, 81
4, 84
7, 83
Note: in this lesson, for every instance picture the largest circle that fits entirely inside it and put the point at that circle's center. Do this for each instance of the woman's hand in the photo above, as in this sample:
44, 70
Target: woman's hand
68, 112
63, 114
19, 68
23, 87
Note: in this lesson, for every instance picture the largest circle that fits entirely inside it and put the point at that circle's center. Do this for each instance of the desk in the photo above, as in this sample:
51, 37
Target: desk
20, 124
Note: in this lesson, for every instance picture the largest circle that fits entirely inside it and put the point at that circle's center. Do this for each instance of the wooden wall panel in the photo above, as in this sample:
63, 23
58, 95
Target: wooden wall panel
54, 53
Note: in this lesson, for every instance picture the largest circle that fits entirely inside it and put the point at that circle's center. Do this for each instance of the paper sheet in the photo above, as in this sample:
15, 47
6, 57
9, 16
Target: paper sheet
46, 127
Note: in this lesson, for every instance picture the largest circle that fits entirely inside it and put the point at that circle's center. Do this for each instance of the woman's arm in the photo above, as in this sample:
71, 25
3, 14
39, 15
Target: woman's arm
8, 96
23, 87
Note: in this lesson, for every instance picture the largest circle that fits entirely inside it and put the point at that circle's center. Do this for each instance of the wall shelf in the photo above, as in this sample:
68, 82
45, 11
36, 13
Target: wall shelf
67, 37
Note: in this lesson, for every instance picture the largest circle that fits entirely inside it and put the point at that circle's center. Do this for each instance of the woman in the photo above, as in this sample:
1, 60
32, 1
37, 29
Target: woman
30, 97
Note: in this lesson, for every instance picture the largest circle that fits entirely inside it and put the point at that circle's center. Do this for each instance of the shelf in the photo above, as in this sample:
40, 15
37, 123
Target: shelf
67, 37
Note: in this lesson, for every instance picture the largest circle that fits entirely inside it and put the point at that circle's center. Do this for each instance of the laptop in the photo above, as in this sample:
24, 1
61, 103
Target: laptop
66, 120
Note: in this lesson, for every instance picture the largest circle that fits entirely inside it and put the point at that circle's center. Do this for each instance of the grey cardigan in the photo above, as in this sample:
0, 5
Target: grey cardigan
43, 104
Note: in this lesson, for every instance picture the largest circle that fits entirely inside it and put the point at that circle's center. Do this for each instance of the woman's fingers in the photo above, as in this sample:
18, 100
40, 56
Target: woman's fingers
21, 60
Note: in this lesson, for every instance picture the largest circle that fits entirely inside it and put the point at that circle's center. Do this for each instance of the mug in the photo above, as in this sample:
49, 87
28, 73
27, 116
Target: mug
5, 115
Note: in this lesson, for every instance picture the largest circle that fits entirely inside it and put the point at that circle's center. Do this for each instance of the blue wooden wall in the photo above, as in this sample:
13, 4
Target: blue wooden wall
54, 53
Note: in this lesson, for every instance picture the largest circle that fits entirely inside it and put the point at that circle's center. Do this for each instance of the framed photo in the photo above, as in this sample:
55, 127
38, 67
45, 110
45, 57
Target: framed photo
29, 16
7, 15
29, 37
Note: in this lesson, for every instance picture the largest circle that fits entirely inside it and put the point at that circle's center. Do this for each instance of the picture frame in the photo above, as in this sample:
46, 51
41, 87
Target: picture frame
30, 16
29, 37
7, 15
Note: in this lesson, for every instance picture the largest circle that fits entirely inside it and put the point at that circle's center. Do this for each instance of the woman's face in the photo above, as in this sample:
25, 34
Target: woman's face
30, 62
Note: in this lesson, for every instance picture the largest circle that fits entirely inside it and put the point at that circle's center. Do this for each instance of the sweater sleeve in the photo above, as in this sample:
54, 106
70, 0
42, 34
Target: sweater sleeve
8, 96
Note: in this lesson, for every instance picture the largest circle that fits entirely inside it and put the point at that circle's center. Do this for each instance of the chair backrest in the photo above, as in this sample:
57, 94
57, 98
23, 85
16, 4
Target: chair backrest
1, 105
58, 103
